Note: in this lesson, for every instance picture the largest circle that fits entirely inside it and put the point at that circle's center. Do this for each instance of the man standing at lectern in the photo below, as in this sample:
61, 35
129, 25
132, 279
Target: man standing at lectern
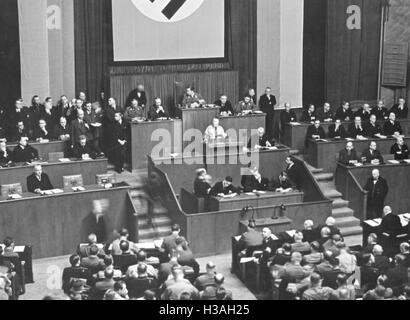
377, 189
267, 105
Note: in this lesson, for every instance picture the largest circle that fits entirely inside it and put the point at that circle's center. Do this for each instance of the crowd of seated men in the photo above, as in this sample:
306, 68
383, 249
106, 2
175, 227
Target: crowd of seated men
121, 271
318, 265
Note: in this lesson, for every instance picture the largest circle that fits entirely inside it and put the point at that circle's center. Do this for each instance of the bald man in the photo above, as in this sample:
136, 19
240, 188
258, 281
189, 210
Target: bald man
378, 189
348, 156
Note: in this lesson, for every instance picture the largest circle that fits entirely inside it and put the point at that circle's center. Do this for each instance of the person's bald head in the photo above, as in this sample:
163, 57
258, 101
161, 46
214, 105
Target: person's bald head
349, 145
376, 174
296, 257
80, 114
377, 250
387, 210
92, 238
373, 145
266, 232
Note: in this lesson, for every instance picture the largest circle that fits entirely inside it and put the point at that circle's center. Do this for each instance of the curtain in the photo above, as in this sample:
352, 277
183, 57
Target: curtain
9, 53
352, 55
93, 46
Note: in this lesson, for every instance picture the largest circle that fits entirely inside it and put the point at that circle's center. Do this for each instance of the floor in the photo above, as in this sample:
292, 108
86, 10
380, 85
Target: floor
47, 277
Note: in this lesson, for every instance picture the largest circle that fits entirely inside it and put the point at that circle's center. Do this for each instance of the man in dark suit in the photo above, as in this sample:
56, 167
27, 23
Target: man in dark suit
348, 156
79, 127
373, 129
392, 127
127, 257
18, 131
96, 222
224, 187
337, 130
83, 150
380, 111
344, 113
261, 140
38, 182
377, 191
23, 152
283, 183
139, 282
168, 245
372, 155
101, 287
119, 143
364, 113
226, 108
326, 115
267, 104
17, 114
400, 150
251, 239
6, 157
158, 111
309, 114
201, 187
138, 94
109, 120
287, 116
293, 172
93, 262
315, 132
400, 109
356, 129
73, 272
253, 181
62, 132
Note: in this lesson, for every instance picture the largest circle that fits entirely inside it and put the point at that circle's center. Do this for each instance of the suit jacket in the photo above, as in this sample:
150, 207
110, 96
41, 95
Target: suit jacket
391, 224
154, 115
59, 131
141, 97
90, 225
27, 154
93, 263
369, 157
14, 134
381, 114
365, 116
78, 129
218, 188
226, 108
340, 132
250, 183
14, 117
308, 117
260, 141
371, 130
354, 132
326, 116
137, 286
169, 243
266, 104
345, 158
382, 263
283, 184
400, 153
6, 159
102, 286
390, 128
79, 151
286, 117
119, 132
378, 191
50, 118
201, 188
313, 131
344, 115
33, 183
400, 114
38, 133
294, 175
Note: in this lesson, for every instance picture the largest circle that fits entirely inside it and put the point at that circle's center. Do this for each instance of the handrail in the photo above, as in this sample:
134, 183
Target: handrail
357, 196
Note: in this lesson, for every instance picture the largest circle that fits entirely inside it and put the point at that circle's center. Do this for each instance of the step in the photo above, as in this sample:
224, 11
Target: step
340, 203
157, 221
323, 176
347, 222
331, 194
351, 231
156, 233
342, 213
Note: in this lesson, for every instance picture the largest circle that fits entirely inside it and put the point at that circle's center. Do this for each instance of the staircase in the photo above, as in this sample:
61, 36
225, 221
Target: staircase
348, 224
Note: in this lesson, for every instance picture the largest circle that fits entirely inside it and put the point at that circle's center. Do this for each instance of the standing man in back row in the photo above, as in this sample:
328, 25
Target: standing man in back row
267, 105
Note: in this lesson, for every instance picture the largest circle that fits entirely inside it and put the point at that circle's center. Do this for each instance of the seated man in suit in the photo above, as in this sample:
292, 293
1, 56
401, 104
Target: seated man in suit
400, 109
261, 140
127, 257
192, 99
310, 233
93, 262
372, 155
201, 187
83, 250
84, 150
158, 111
299, 245
356, 130
169, 245
253, 181
380, 111
23, 152
104, 285
139, 281
62, 130
390, 222
6, 158
224, 187
400, 150
185, 255
214, 132
348, 156
41, 132
364, 113
225, 105
251, 239
287, 115
309, 115
337, 130
246, 106
73, 272
392, 127
293, 171
15, 133
372, 129
326, 115
283, 183
344, 113
315, 131
38, 182
134, 112
207, 279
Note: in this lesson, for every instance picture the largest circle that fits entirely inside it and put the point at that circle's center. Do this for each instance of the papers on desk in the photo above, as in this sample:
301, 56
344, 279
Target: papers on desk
374, 223
393, 161
44, 141
274, 237
14, 196
404, 220
249, 193
362, 138
232, 195
76, 189
64, 160
407, 161
247, 259
291, 233
349, 139
56, 191
145, 246
261, 192
258, 112
295, 123
272, 148
17, 249
359, 164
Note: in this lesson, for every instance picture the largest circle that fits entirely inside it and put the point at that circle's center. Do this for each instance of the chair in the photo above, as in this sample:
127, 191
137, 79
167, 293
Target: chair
55, 156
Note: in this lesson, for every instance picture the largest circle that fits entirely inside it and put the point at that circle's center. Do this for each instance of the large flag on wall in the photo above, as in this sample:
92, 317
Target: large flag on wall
353, 49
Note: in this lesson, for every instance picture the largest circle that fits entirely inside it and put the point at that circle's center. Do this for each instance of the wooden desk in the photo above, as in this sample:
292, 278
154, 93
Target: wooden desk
396, 175
145, 136
294, 135
87, 168
324, 155
242, 126
52, 224
181, 170
45, 148
264, 200
197, 119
